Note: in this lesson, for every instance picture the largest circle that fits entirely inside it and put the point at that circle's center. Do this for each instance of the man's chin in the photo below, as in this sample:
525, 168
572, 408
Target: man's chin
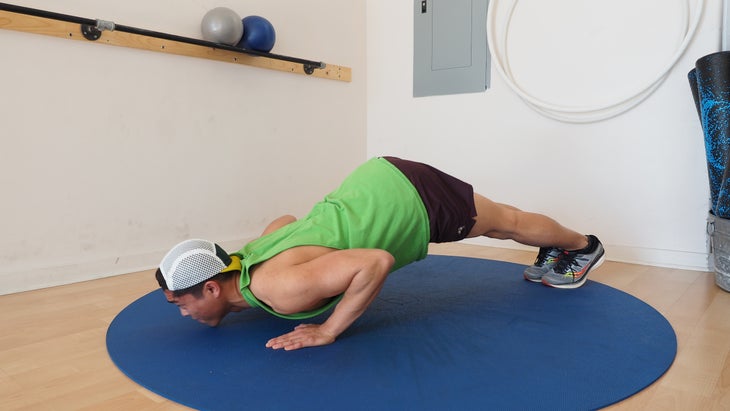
212, 322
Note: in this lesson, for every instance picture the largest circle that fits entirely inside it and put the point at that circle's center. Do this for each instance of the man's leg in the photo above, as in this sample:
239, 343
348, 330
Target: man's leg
565, 258
505, 222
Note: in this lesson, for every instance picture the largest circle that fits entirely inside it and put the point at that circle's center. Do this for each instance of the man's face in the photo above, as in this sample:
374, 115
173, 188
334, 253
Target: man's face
207, 309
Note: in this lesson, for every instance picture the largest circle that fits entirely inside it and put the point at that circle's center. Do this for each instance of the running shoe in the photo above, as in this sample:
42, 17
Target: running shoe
573, 267
546, 259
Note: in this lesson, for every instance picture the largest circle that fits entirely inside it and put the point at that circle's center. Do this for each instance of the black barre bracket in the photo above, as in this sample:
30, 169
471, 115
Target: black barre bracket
90, 32
93, 33
309, 68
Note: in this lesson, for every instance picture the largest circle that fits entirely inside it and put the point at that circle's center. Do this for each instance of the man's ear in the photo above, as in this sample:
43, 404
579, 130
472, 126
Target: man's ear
213, 288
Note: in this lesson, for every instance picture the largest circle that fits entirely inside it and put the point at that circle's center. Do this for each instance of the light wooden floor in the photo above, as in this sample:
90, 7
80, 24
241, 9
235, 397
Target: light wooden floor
53, 354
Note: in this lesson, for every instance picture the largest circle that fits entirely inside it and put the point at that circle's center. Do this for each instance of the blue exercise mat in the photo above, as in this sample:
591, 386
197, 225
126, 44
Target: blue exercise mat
446, 333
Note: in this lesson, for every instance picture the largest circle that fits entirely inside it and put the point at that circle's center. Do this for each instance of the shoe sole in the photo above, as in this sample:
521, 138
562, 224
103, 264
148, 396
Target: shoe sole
536, 280
582, 280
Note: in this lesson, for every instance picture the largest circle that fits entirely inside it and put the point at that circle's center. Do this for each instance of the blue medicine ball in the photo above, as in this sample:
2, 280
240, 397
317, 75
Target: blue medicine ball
258, 34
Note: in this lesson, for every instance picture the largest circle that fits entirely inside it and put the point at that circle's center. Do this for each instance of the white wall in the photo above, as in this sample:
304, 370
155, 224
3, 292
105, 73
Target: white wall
111, 155
98, 143
639, 181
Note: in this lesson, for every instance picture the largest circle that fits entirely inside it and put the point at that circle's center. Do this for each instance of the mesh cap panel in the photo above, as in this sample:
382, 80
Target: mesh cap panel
191, 262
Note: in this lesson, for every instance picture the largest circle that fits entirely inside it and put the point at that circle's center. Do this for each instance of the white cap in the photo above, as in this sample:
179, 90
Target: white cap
192, 262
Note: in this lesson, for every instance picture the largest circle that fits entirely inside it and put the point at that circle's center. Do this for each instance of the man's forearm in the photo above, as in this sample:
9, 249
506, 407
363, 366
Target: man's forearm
363, 289
361, 276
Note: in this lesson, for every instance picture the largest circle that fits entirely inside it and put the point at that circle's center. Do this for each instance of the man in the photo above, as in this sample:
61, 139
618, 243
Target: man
381, 218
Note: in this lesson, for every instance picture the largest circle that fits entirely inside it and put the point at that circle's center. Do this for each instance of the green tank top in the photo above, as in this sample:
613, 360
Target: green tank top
375, 207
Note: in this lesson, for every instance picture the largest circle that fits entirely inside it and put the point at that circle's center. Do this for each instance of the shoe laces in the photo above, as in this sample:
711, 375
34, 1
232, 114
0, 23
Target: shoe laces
544, 255
566, 263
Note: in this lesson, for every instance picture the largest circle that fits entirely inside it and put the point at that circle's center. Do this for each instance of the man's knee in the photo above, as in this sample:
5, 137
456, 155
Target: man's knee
495, 220
506, 223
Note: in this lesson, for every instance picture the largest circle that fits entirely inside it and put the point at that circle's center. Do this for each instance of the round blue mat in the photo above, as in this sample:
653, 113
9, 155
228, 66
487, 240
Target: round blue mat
445, 333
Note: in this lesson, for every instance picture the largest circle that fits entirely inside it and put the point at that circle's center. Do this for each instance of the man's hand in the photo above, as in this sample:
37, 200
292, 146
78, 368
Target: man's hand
304, 335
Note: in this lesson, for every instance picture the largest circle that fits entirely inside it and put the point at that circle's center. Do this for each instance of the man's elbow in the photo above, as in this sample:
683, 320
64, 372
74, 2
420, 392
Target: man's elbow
288, 218
385, 261
278, 223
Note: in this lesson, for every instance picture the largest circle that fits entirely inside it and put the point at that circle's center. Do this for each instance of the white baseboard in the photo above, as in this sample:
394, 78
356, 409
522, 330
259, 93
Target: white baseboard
634, 255
52, 276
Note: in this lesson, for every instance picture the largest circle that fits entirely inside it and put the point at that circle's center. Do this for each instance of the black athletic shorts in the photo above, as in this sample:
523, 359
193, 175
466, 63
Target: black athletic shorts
448, 200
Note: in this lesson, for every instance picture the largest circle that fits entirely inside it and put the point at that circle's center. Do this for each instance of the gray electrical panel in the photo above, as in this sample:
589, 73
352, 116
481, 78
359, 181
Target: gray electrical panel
450, 53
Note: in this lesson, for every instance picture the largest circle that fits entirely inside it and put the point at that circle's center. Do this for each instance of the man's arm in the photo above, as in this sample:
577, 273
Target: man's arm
358, 274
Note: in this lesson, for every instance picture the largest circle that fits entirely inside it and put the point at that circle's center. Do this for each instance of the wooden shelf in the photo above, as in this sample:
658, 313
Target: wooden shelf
19, 20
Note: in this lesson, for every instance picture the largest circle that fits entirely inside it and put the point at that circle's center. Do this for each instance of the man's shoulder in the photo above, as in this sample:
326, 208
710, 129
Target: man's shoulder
292, 257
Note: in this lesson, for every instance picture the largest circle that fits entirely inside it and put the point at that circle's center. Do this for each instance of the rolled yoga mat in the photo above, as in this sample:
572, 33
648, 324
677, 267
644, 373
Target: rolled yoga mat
445, 333
710, 84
